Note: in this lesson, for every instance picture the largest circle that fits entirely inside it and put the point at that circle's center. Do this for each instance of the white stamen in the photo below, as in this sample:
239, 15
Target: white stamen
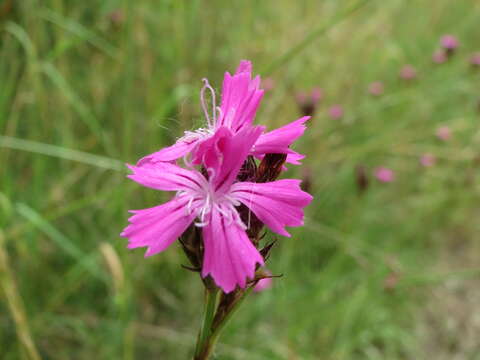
211, 122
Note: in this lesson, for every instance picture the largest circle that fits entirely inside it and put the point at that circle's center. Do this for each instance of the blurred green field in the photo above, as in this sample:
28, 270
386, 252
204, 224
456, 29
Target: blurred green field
388, 273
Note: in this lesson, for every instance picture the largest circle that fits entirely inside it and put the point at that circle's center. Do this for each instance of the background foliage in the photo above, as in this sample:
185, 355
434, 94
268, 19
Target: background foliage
387, 273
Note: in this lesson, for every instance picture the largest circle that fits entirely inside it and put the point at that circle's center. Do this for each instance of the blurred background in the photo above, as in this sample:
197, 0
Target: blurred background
387, 265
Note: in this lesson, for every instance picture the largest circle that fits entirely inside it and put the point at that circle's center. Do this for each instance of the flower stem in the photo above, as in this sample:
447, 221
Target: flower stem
205, 342
233, 309
214, 321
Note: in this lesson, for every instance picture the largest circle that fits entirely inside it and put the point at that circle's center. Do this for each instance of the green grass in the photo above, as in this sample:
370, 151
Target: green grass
81, 94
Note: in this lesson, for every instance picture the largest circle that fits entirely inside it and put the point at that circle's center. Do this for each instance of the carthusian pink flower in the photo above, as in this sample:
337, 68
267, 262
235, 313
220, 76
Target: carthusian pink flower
408, 72
449, 42
308, 101
241, 96
439, 56
427, 160
444, 133
384, 174
376, 88
212, 202
336, 112
268, 84
475, 60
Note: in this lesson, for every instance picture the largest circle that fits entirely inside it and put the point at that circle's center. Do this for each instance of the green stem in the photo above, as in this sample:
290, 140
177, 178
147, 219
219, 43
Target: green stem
205, 342
211, 331
218, 329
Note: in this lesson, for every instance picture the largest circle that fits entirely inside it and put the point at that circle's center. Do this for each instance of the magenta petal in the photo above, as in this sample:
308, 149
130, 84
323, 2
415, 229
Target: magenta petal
241, 97
277, 204
158, 227
166, 176
278, 141
294, 158
230, 257
233, 150
170, 153
244, 66
209, 152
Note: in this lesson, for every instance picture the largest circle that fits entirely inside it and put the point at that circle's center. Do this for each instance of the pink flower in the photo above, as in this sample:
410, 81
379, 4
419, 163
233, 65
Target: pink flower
308, 101
336, 112
268, 84
265, 283
439, 56
427, 160
444, 133
241, 96
384, 174
449, 42
376, 88
408, 72
475, 59
212, 202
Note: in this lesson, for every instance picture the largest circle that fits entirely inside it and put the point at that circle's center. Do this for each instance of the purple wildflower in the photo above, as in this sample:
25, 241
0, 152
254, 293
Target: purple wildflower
427, 160
475, 59
376, 88
408, 72
241, 96
212, 203
444, 133
268, 84
384, 174
117, 18
439, 57
449, 42
336, 112
308, 101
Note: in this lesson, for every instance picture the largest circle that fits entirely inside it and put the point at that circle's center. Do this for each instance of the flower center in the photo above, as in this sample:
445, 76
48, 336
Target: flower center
204, 201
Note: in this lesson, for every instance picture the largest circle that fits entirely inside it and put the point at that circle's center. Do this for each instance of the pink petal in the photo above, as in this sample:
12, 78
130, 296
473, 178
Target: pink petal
277, 204
159, 226
244, 66
294, 158
227, 153
166, 176
230, 257
170, 153
208, 153
279, 140
241, 97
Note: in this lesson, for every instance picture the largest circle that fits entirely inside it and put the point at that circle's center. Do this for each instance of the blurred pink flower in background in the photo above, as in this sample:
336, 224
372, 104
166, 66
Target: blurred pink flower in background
439, 56
475, 59
444, 133
449, 42
264, 284
376, 88
335, 112
427, 160
384, 174
408, 72
117, 17
268, 84
308, 101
